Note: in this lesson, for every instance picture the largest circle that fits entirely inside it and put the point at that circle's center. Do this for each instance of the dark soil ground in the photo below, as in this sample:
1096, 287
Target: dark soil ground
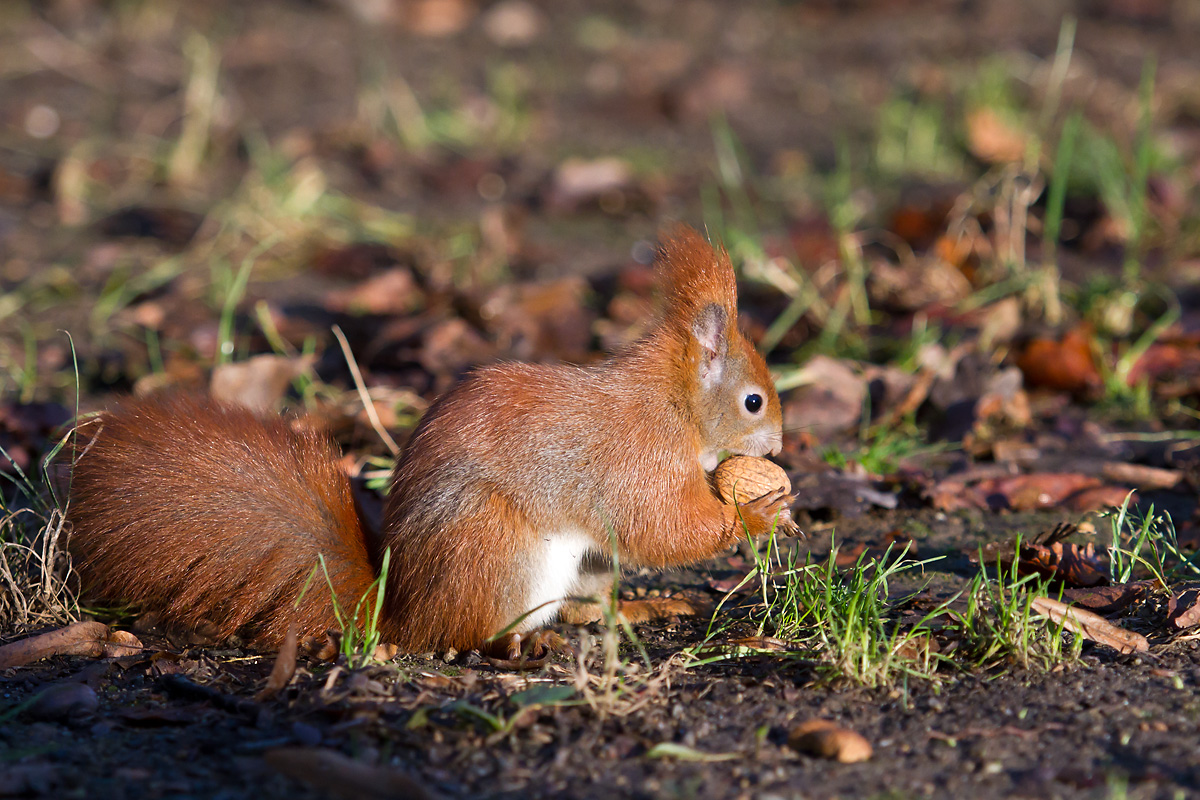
428, 140
1107, 726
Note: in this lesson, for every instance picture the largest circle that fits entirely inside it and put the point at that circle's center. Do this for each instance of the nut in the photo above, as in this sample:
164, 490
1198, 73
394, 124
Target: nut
825, 739
743, 479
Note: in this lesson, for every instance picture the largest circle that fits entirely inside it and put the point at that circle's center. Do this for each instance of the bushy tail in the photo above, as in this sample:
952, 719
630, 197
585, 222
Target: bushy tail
208, 512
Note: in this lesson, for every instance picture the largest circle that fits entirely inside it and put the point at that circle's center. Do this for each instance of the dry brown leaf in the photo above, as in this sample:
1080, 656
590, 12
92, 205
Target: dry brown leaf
284, 668
1066, 561
392, 291
1003, 403
76, 639
749, 644
917, 284
257, 383
385, 652
1108, 599
451, 345
1034, 491
1184, 609
830, 401
826, 739
1175, 361
1091, 626
539, 322
1098, 498
1066, 365
121, 644
726, 585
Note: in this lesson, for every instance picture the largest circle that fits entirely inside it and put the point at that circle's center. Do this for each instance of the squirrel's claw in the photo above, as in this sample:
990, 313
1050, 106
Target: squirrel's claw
525, 653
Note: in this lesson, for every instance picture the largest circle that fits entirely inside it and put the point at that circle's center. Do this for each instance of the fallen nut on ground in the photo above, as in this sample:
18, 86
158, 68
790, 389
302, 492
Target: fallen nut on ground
744, 479
825, 739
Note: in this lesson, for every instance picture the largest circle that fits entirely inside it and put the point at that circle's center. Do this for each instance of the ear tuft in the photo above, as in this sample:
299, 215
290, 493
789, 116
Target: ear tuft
692, 273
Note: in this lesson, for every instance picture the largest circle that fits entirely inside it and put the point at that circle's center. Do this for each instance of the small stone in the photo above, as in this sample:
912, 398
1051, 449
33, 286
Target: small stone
65, 701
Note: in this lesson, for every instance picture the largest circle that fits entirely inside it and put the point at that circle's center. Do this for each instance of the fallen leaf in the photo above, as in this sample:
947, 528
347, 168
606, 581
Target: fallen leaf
720, 89
90, 639
920, 220
159, 717
1108, 599
1098, 498
1065, 561
284, 668
1003, 402
1035, 491
726, 585
259, 382
385, 652
1184, 609
1090, 626
917, 284
121, 644
542, 694
829, 399
451, 346
999, 322
846, 557
826, 739
1065, 364
538, 322
393, 291
1176, 361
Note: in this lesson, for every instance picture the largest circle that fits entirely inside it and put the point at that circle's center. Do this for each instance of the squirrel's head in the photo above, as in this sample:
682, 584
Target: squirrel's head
736, 403
728, 387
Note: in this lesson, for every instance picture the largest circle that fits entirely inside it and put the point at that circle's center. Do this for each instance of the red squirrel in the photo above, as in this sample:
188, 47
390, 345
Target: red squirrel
501, 504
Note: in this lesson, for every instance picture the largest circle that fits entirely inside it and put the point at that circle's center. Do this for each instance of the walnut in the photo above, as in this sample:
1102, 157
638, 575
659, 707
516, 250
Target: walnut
742, 479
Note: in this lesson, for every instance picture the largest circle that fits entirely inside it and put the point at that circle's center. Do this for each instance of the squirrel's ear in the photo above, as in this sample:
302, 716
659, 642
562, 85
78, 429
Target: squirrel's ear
709, 327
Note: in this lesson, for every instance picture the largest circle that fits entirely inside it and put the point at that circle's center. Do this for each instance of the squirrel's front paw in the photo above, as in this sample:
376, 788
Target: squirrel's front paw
769, 512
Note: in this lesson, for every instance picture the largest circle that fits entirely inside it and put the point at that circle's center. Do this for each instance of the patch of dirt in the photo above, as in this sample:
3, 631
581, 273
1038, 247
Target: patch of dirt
1110, 721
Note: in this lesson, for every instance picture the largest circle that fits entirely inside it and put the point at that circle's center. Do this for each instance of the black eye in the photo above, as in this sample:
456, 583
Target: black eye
753, 403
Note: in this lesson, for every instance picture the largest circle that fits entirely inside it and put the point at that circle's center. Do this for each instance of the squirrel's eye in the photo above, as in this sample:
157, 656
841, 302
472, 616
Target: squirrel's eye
753, 403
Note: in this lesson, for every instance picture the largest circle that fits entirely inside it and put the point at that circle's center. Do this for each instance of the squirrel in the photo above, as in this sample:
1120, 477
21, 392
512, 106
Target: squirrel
508, 499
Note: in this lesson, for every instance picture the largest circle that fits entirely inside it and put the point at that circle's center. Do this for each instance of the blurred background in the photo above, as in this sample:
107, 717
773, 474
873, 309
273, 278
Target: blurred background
184, 184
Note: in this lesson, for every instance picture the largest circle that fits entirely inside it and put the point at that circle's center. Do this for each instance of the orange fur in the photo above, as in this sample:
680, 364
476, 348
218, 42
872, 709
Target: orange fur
505, 498
207, 512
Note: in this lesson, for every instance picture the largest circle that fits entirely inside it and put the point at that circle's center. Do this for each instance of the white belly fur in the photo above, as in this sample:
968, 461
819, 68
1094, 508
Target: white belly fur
554, 574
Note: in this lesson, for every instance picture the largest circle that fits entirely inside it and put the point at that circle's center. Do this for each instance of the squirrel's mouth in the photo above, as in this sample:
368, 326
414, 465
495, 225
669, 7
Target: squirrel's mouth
764, 443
